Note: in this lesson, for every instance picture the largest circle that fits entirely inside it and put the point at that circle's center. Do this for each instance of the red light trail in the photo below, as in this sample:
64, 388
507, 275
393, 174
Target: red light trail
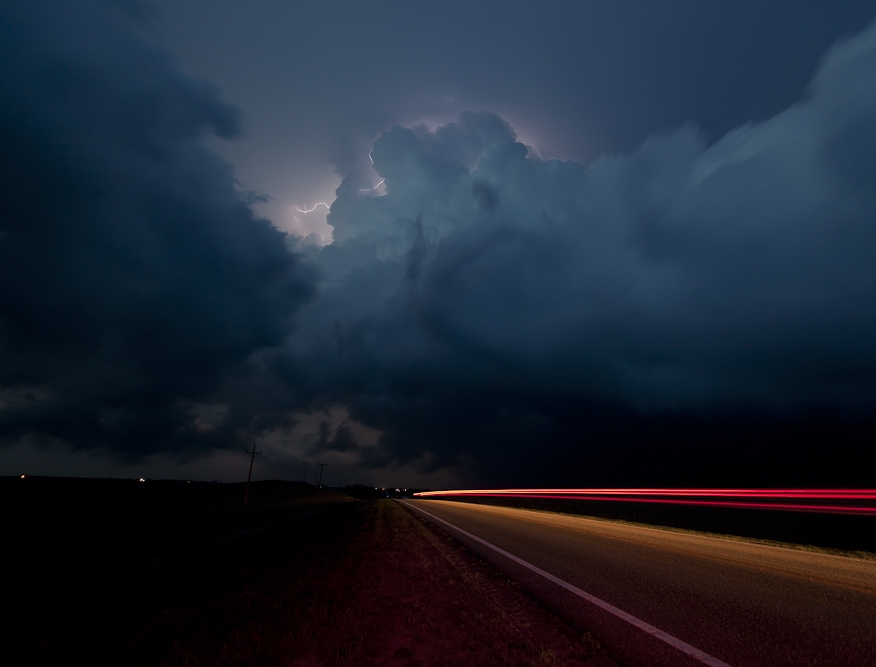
795, 500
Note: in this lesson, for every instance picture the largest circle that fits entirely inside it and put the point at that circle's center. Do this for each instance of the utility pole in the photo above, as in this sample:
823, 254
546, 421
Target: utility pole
249, 477
305, 471
321, 466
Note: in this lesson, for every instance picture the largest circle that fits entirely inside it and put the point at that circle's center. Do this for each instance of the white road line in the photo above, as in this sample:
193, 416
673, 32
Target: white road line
675, 642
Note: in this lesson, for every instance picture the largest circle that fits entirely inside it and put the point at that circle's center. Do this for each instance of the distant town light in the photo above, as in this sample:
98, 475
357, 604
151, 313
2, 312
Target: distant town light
142, 479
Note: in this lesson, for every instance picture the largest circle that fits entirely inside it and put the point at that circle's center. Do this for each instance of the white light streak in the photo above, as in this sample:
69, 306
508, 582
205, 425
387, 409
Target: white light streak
382, 180
313, 208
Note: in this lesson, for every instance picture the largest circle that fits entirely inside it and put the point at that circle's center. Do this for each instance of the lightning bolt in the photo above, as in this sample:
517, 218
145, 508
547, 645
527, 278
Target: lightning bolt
382, 180
313, 208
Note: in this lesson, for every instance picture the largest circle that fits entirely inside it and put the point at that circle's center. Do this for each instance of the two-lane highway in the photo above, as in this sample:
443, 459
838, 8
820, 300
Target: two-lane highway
736, 602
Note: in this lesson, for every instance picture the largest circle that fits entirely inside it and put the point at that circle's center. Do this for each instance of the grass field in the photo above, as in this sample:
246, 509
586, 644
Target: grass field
116, 572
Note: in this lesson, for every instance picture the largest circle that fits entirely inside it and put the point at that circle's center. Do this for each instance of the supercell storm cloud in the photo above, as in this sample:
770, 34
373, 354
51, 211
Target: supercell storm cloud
693, 311
495, 302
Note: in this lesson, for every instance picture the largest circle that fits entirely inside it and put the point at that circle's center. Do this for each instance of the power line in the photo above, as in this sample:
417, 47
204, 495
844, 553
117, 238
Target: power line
49, 384
58, 408
65, 410
99, 401
33, 407
198, 439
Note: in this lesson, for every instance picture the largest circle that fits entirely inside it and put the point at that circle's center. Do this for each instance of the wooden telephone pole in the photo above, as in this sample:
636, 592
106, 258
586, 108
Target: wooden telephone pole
249, 477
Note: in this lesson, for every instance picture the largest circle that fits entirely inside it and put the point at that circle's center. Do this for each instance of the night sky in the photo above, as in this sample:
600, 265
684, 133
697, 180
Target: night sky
439, 244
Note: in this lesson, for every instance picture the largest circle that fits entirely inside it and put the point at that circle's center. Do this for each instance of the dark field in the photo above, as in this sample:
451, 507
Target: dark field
97, 532
170, 573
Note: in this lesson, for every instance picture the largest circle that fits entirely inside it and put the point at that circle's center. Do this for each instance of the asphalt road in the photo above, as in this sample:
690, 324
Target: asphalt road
738, 602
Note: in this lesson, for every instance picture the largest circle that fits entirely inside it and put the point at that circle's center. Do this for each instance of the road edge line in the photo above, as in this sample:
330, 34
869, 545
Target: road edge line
665, 637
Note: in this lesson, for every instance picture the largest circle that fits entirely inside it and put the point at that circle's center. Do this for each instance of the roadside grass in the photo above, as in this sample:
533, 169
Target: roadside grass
360, 583
454, 608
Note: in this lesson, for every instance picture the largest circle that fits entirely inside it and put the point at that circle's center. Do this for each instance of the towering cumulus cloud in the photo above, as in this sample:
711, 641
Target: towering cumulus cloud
134, 276
687, 306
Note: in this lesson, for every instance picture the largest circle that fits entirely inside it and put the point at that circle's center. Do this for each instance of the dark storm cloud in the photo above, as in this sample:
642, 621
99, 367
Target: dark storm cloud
132, 269
687, 312
685, 306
